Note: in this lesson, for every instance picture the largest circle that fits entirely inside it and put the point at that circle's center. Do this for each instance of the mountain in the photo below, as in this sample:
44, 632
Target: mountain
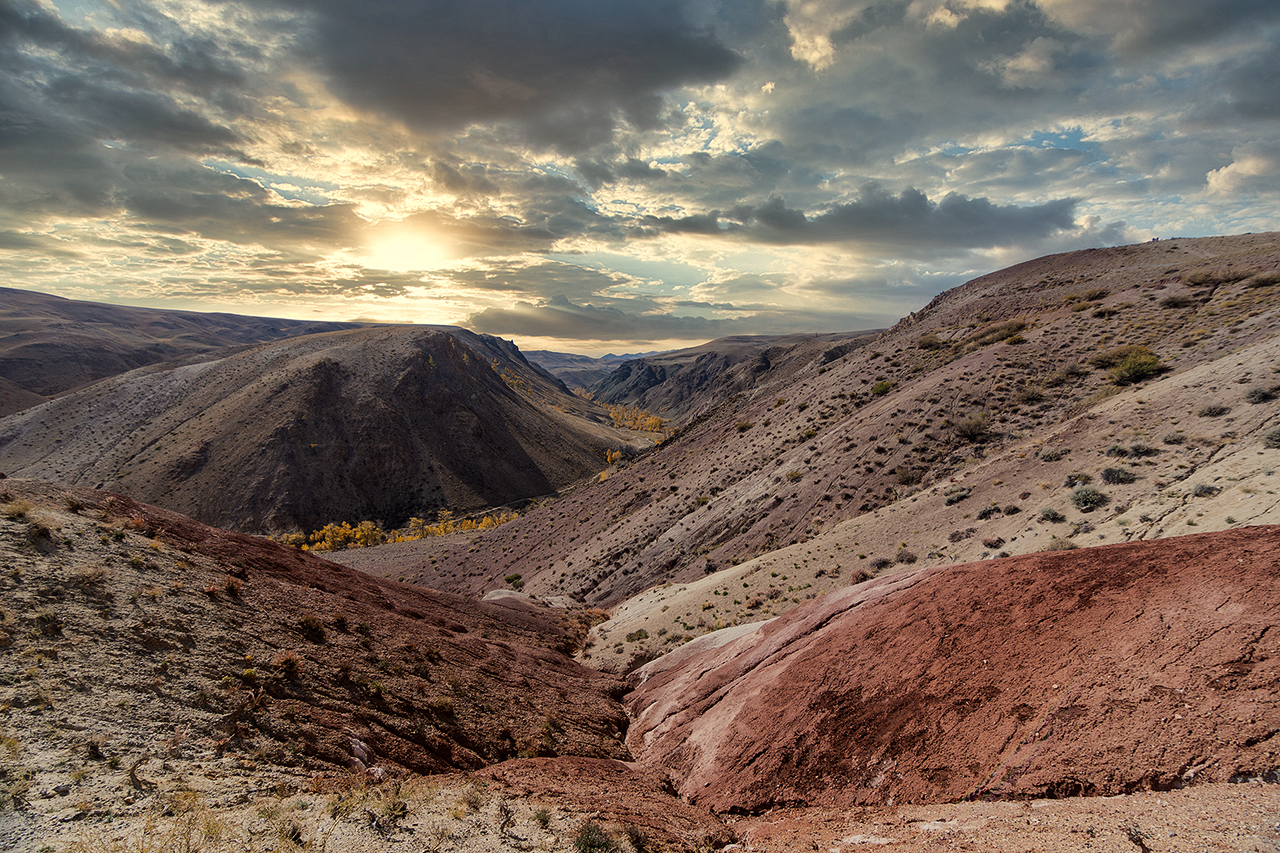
945, 439
924, 589
379, 423
686, 383
50, 345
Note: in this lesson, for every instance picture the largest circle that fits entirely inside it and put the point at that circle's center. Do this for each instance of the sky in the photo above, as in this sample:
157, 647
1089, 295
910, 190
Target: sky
601, 176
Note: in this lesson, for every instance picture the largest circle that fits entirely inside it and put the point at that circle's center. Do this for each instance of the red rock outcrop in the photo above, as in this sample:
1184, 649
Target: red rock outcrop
1100, 671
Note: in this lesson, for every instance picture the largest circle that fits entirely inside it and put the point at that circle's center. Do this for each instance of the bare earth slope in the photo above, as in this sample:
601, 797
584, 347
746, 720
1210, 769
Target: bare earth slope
381, 423
145, 658
951, 410
49, 345
1104, 671
683, 384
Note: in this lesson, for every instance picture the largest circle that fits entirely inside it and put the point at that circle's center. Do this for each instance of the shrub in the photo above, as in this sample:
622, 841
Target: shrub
636, 636
1136, 368
972, 428
881, 563
992, 334
1108, 359
992, 543
591, 838
1116, 476
1087, 498
1139, 451
987, 512
905, 556
1051, 455
881, 388
1204, 490
930, 341
312, 628
1012, 509
1077, 478
1060, 544
1179, 300
1052, 515
957, 496
1028, 395
908, 476
1272, 439
1213, 410
1259, 395
1061, 377
1173, 438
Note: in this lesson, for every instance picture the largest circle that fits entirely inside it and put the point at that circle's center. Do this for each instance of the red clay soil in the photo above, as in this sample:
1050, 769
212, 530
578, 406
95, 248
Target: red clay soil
1146, 665
263, 650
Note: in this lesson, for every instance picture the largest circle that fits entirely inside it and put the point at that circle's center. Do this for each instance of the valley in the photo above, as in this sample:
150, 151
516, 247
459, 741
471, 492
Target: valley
1003, 575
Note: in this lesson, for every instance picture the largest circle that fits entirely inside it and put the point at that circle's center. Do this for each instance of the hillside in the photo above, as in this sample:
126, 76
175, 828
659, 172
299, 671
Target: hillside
686, 383
1146, 665
942, 440
382, 423
50, 345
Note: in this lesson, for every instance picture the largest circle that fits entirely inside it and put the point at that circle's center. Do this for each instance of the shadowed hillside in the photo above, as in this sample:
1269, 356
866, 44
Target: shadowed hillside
686, 383
382, 423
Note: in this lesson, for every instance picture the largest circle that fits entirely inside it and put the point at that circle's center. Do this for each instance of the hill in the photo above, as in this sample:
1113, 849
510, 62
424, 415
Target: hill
382, 423
686, 383
1138, 666
173, 685
942, 440
50, 345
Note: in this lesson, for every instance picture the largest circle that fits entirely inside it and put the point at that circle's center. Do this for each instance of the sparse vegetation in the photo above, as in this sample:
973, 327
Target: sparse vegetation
1087, 498
1213, 410
1116, 476
1259, 395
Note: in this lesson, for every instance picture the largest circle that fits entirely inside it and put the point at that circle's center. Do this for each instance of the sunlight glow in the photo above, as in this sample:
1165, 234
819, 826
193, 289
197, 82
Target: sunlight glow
403, 252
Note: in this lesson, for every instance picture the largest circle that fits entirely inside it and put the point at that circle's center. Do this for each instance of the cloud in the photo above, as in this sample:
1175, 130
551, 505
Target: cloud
909, 221
567, 71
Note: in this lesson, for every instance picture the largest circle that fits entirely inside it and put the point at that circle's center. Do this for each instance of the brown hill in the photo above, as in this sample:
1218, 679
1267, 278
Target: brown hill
834, 458
49, 345
381, 423
169, 686
1128, 667
683, 384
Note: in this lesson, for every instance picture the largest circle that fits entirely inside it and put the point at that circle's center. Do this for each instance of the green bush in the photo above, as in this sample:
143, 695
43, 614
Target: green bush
881, 388
1087, 498
1135, 368
1052, 515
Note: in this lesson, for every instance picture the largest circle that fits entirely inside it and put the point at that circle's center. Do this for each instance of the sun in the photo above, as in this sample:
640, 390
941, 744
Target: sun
404, 252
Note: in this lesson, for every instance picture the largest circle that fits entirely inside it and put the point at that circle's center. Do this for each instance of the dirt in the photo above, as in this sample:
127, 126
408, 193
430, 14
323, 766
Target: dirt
1103, 671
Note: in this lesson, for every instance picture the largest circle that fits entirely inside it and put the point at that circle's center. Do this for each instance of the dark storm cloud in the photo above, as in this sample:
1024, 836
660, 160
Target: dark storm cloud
878, 218
560, 318
1163, 26
542, 281
567, 70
